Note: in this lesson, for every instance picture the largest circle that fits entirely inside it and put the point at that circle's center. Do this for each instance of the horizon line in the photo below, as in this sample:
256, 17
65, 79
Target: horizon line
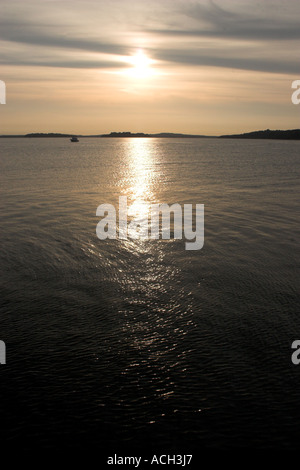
141, 134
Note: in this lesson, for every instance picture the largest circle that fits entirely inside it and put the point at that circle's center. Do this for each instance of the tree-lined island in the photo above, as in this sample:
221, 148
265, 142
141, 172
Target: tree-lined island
292, 134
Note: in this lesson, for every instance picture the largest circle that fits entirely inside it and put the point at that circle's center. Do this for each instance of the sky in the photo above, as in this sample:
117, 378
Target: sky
191, 66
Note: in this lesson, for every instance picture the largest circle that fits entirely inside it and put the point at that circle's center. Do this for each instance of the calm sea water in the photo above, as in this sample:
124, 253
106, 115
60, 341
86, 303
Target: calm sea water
139, 342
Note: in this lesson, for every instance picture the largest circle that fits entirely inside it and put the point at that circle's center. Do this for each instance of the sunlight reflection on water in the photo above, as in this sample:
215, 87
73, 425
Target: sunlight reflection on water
126, 332
140, 184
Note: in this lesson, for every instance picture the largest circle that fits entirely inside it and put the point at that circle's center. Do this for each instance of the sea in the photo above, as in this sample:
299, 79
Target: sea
139, 343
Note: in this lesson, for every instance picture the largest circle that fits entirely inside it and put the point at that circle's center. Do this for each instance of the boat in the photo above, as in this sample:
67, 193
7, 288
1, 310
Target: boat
74, 139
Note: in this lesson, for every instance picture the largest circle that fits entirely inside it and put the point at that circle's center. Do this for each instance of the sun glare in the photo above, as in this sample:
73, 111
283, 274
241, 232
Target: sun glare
141, 65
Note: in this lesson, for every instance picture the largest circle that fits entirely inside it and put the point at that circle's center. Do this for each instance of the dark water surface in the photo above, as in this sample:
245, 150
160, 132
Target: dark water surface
141, 342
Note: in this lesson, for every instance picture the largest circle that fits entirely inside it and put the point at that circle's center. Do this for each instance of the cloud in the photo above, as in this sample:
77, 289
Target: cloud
65, 63
26, 33
244, 20
238, 35
245, 34
255, 33
199, 58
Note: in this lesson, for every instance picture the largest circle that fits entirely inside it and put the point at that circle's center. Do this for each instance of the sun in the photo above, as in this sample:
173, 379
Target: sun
141, 65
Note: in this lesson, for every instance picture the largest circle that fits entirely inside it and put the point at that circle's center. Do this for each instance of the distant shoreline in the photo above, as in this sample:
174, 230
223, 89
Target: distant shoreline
292, 134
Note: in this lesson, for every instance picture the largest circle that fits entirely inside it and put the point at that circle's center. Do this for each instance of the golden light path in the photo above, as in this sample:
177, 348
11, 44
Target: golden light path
142, 174
141, 186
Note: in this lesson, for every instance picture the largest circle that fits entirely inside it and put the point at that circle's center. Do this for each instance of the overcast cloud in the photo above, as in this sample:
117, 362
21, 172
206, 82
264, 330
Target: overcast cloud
193, 33
217, 67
